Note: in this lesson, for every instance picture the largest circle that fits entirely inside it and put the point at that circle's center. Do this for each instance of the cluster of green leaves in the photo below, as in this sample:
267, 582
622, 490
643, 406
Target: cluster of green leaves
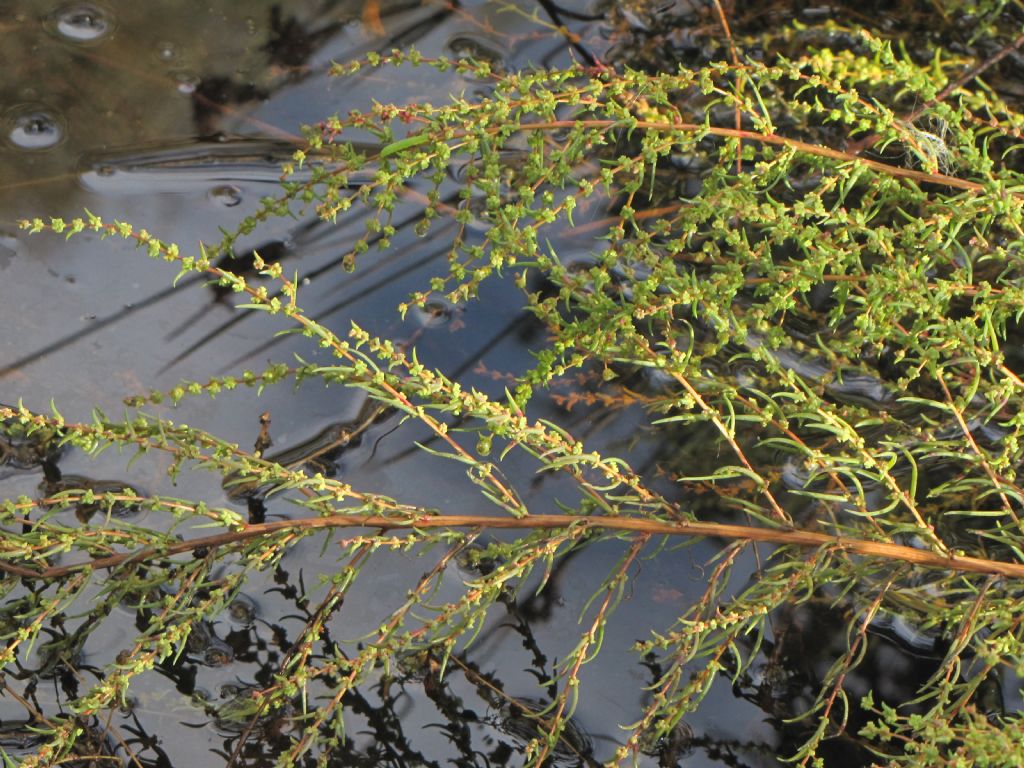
842, 321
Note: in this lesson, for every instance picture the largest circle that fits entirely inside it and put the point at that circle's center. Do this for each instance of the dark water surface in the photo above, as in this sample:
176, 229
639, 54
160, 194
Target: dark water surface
175, 116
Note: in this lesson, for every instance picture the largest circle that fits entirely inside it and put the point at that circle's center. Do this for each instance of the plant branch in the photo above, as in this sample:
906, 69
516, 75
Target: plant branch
783, 536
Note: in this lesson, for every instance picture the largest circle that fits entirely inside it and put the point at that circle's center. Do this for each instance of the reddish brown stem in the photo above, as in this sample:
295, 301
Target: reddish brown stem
782, 536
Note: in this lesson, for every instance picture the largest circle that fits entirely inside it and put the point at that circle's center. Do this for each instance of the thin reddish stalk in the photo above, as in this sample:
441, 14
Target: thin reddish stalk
782, 536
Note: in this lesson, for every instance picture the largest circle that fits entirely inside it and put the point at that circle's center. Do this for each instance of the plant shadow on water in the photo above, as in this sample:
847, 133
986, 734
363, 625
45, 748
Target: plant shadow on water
181, 125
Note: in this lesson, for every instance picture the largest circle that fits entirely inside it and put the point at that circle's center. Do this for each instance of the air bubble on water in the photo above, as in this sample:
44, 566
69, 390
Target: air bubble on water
242, 611
434, 313
81, 23
477, 206
226, 195
166, 51
479, 49
33, 127
186, 82
463, 46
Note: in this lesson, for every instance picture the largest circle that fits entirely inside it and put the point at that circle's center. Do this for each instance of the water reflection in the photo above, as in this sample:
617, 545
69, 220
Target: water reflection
22, 448
223, 166
58, 483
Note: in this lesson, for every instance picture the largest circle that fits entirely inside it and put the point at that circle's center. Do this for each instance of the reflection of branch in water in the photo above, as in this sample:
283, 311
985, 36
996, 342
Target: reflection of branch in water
472, 738
472, 559
241, 264
198, 163
292, 44
146, 742
522, 321
319, 453
94, 327
672, 748
215, 95
162, 80
389, 740
23, 736
311, 235
479, 726
556, 12
289, 46
244, 265
321, 316
523, 719
522, 627
781, 680
541, 604
98, 325
411, 34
